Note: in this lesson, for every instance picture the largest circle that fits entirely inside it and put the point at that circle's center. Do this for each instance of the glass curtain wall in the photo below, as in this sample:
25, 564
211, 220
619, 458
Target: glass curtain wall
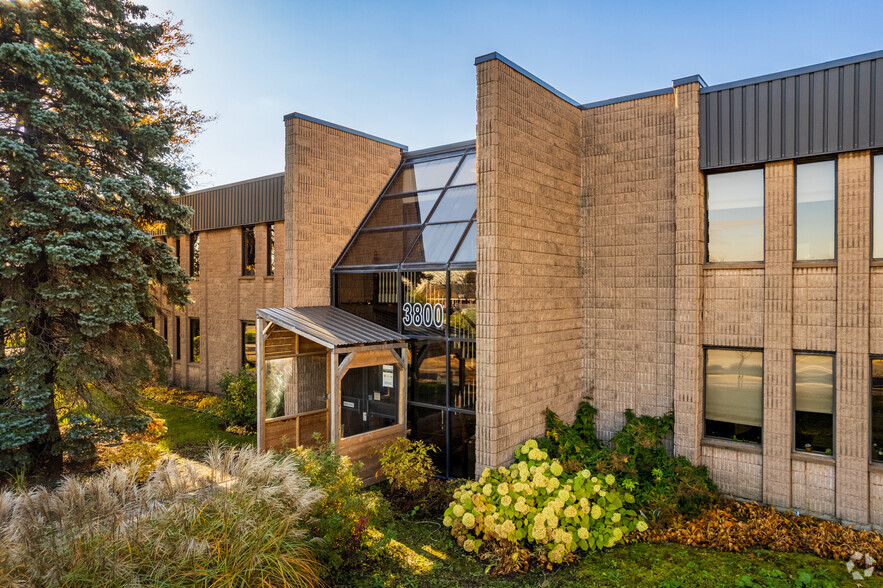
411, 267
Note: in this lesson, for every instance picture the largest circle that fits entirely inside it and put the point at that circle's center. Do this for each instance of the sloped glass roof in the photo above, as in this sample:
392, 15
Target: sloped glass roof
424, 217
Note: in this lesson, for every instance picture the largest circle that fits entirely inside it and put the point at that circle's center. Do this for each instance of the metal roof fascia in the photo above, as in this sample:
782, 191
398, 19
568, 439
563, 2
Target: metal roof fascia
233, 184
689, 80
440, 149
650, 94
524, 72
796, 72
332, 125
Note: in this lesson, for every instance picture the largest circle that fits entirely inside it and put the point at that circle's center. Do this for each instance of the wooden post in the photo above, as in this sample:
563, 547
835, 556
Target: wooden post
402, 356
334, 413
261, 376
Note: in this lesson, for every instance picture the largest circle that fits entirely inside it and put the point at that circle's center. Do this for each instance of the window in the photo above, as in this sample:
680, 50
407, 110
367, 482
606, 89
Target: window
248, 251
249, 345
178, 338
271, 249
878, 207
194, 254
194, 340
734, 394
877, 409
735, 216
814, 403
814, 212
178, 250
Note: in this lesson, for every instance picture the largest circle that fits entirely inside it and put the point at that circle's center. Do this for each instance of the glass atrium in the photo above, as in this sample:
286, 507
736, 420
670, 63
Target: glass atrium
410, 267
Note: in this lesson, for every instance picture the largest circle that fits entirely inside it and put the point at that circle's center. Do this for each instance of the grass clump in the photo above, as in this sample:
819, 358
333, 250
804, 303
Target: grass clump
240, 521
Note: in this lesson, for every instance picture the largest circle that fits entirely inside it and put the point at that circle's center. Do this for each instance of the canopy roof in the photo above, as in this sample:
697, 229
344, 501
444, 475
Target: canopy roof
425, 217
329, 326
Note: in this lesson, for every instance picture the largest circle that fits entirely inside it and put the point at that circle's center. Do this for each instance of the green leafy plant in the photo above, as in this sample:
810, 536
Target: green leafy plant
407, 465
239, 403
535, 503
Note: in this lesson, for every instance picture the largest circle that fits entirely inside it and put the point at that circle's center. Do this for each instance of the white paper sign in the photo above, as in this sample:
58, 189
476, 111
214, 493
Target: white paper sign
388, 375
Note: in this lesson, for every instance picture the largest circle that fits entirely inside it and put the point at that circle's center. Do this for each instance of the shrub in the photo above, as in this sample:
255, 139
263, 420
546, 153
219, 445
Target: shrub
406, 464
239, 406
535, 503
343, 513
239, 522
666, 485
81, 433
140, 455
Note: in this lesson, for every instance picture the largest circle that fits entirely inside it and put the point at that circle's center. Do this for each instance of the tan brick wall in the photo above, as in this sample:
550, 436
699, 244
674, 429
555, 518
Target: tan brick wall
732, 307
530, 296
222, 298
876, 492
815, 308
331, 179
629, 217
812, 487
739, 473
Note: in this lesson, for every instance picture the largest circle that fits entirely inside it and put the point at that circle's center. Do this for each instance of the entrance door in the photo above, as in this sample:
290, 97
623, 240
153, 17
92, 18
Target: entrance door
369, 399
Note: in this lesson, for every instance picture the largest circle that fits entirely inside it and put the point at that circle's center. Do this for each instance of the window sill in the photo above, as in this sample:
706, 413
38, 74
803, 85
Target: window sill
733, 265
810, 457
742, 446
877, 263
247, 278
814, 264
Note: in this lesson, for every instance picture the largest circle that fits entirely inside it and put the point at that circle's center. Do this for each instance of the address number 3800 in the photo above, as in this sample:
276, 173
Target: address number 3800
419, 314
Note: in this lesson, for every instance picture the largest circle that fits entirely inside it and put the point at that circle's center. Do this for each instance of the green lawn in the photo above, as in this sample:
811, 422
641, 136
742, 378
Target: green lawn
422, 553
189, 433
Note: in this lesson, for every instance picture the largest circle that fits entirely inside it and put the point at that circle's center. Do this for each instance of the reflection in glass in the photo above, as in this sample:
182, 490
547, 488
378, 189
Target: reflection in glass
367, 403
271, 249
425, 303
462, 374
877, 409
878, 207
428, 175
428, 425
815, 211
428, 373
735, 216
278, 377
456, 204
407, 209
468, 248
249, 344
437, 243
373, 297
734, 394
379, 247
466, 173
194, 340
814, 403
462, 445
194, 254
463, 318
248, 251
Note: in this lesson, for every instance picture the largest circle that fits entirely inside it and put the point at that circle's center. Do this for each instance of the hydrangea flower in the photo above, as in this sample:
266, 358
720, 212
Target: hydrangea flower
597, 511
570, 512
539, 532
469, 520
503, 489
508, 527
506, 500
641, 526
610, 479
556, 469
615, 518
448, 521
583, 533
535, 455
596, 488
617, 533
552, 484
487, 490
469, 545
564, 494
458, 510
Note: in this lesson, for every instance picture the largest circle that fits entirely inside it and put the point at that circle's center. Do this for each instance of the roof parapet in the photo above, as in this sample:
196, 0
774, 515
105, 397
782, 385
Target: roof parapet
525, 73
332, 125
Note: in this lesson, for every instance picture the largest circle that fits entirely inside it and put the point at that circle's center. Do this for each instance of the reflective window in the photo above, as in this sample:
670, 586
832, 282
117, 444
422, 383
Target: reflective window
405, 209
457, 204
814, 403
734, 394
249, 344
271, 249
194, 340
466, 173
178, 250
735, 216
428, 373
428, 175
248, 251
462, 445
194, 254
424, 303
372, 296
814, 222
436, 243
462, 374
428, 425
468, 248
380, 247
178, 338
369, 399
462, 319
878, 207
877, 409
278, 378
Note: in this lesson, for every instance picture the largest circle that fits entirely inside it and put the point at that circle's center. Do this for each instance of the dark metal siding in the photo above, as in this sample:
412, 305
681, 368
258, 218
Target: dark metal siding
830, 110
250, 202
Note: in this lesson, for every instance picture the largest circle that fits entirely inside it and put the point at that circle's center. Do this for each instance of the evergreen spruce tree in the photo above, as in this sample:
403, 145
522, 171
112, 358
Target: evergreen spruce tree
90, 159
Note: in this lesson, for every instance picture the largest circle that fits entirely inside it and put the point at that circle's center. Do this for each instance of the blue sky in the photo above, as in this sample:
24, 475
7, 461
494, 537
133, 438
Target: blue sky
404, 70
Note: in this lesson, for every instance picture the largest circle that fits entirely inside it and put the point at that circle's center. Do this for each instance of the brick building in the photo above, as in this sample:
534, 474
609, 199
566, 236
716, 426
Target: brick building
704, 250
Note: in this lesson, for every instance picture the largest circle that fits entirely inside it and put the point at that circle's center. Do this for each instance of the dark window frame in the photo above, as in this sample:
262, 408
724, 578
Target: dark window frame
177, 338
194, 358
705, 349
836, 209
707, 234
271, 249
248, 269
833, 357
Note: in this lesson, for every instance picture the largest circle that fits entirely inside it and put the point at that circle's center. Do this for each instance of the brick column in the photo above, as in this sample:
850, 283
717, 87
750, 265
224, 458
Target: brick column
853, 363
777, 318
689, 259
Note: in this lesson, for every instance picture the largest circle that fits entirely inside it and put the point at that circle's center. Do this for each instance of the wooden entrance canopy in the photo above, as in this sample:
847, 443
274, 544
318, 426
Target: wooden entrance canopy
316, 347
